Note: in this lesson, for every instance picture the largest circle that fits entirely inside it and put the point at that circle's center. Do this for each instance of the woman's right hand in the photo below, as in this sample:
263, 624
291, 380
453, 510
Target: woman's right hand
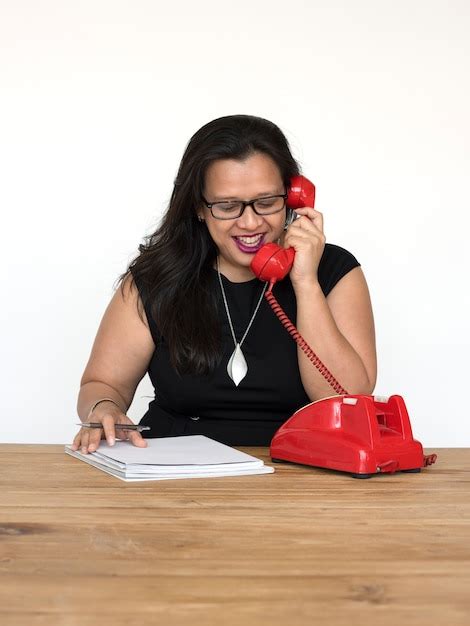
107, 414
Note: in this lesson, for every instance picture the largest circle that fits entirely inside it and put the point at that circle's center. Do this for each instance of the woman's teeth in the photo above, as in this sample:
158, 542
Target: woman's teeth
249, 244
250, 241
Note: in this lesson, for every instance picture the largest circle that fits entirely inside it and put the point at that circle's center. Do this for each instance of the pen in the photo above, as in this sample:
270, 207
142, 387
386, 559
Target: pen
136, 427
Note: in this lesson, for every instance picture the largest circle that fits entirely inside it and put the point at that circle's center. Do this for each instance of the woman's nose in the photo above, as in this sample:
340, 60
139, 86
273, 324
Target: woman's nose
249, 219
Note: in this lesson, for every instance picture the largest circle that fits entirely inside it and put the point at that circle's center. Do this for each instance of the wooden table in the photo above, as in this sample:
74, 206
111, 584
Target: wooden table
301, 546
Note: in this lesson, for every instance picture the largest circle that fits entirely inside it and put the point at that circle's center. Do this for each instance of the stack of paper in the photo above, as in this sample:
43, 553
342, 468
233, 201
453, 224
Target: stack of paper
191, 456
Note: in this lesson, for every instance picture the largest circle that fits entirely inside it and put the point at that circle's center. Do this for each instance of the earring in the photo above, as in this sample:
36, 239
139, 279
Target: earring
200, 219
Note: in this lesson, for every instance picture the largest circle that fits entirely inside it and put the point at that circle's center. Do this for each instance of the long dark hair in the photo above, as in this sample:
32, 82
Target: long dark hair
174, 268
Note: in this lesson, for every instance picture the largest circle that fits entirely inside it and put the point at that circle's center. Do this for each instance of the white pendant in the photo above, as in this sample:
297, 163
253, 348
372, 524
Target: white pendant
237, 367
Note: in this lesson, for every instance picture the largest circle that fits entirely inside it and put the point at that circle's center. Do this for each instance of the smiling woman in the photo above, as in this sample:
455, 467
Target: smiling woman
191, 313
240, 228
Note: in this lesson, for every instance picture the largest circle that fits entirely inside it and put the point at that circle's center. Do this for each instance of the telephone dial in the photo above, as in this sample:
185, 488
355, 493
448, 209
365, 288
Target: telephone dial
359, 434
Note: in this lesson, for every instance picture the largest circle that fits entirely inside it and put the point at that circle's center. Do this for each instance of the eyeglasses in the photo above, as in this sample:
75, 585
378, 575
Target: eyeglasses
232, 209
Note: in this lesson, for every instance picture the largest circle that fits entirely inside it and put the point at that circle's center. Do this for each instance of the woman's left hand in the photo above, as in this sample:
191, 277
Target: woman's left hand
306, 236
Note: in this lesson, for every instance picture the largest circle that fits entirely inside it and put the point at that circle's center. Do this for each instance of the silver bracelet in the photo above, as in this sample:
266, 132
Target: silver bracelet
102, 400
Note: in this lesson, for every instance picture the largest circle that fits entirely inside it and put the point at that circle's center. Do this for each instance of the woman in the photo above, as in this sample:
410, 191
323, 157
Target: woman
191, 313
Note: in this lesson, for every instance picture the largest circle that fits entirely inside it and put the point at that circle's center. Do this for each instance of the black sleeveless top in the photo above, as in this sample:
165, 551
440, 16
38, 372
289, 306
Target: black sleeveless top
272, 389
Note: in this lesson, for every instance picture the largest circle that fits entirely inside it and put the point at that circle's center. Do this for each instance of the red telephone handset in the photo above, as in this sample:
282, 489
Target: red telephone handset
272, 262
359, 434
300, 193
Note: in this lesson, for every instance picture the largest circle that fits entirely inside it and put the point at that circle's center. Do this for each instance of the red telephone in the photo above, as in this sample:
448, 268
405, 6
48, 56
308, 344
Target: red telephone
359, 434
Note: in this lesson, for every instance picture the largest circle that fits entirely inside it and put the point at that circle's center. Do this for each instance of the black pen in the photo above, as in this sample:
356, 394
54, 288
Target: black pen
136, 427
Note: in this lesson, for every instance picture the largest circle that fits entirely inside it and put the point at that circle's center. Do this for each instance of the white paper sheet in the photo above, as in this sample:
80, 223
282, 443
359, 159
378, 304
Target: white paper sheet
185, 450
192, 456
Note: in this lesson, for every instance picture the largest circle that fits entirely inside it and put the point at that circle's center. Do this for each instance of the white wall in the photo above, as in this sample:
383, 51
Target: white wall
98, 99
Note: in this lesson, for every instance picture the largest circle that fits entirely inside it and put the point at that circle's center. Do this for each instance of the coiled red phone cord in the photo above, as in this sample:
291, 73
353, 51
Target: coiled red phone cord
292, 330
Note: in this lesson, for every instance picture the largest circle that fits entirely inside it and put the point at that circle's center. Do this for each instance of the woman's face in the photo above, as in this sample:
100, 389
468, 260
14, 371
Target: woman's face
239, 239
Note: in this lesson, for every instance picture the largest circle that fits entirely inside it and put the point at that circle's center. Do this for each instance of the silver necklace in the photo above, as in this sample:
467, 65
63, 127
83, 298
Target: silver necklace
237, 367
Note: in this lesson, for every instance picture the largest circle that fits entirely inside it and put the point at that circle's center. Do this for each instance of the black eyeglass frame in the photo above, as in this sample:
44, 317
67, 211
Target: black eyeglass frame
244, 204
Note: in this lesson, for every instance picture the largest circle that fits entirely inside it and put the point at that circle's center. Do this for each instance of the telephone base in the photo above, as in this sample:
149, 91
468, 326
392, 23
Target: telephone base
358, 434
407, 471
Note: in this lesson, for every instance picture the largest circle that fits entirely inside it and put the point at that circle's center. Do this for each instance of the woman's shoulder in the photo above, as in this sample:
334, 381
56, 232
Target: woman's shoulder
334, 254
144, 304
335, 263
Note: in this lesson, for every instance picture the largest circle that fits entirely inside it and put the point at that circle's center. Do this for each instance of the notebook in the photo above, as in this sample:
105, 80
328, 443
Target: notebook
188, 456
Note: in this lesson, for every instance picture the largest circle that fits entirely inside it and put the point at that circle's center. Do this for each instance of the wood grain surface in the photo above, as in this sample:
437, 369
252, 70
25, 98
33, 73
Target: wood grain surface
297, 547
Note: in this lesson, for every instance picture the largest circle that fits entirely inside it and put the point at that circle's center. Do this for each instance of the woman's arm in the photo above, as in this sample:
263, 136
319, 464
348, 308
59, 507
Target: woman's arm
340, 330
119, 359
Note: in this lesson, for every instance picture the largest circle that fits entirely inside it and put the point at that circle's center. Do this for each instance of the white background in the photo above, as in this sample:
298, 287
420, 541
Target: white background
98, 99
